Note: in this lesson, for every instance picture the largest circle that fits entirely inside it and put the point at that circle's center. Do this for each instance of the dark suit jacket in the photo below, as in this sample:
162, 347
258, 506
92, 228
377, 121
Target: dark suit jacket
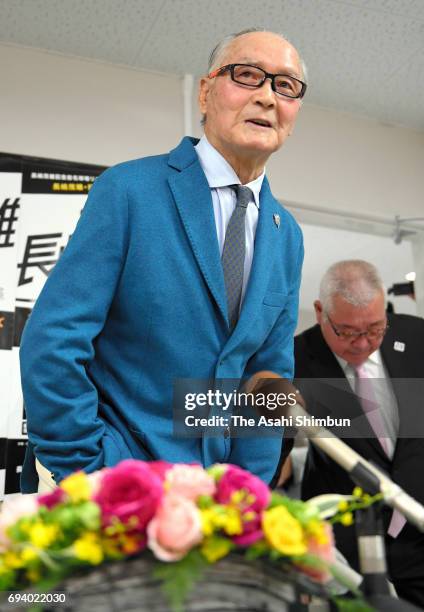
332, 395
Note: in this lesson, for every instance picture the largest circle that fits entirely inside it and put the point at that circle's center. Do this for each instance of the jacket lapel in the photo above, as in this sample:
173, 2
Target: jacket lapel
396, 361
398, 366
194, 203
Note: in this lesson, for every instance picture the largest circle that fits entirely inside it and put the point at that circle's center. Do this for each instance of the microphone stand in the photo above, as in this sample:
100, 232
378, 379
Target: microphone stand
369, 524
372, 548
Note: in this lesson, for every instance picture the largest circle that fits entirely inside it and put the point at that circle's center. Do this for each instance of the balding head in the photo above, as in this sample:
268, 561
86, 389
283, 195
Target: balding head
218, 53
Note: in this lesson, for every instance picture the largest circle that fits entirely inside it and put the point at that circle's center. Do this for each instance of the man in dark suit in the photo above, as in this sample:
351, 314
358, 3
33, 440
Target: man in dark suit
353, 343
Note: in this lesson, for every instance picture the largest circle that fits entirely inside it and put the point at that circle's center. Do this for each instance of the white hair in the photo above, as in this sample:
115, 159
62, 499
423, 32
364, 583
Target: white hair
355, 280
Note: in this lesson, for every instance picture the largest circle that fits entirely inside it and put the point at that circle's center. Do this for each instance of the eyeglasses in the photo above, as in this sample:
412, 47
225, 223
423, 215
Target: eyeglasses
350, 336
252, 76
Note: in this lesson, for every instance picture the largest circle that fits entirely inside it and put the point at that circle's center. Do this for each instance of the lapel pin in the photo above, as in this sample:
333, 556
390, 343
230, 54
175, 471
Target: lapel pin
276, 220
399, 346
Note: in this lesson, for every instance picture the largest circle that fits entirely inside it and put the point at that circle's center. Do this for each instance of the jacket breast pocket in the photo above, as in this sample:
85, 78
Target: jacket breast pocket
274, 298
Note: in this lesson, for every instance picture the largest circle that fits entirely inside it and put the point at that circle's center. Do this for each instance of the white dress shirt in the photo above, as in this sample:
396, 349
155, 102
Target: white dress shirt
219, 175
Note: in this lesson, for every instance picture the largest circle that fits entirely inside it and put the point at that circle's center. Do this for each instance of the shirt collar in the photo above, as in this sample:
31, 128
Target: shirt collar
218, 171
374, 358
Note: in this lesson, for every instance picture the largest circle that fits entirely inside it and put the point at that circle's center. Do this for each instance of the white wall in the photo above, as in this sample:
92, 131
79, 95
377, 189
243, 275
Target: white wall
337, 160
77, 110
68, 108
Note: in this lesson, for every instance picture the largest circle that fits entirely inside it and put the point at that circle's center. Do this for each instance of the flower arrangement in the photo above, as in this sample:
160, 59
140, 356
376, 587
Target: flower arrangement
184, 515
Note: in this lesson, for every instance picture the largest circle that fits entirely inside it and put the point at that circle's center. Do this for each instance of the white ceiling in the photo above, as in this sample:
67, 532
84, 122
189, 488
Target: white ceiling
364, 56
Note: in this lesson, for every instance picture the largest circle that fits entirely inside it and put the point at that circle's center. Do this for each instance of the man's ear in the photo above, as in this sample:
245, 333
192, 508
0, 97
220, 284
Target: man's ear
204, 89
318, 311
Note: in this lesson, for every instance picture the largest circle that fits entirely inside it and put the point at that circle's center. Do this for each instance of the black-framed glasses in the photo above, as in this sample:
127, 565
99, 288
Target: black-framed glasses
252, 76
349, 336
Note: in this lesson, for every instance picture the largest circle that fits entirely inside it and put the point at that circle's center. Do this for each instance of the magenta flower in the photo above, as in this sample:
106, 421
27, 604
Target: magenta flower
250, 494
50, 500
130, 492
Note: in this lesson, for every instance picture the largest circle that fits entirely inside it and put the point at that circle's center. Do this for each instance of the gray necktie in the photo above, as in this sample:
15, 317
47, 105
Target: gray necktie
234, 252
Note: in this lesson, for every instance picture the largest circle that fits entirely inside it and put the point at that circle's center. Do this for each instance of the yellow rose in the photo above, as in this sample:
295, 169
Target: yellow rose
283, 531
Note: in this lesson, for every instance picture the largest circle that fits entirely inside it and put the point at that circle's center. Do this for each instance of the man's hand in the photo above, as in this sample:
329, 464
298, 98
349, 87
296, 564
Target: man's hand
286, 472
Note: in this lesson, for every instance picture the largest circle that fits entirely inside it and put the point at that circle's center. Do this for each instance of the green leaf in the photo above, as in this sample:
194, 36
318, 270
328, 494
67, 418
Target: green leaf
352, 605
256, 550
297, 508
7, 580
179, 578
89, 515
217, 470
205, 501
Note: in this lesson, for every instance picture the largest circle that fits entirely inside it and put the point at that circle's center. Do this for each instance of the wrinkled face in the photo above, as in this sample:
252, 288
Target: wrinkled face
232, 109
349, 318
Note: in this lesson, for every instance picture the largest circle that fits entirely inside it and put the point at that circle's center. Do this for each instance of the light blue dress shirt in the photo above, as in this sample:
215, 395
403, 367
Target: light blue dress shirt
219, 175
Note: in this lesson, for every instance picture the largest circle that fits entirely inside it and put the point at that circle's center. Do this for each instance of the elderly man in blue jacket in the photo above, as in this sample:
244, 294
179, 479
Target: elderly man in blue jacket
182, 266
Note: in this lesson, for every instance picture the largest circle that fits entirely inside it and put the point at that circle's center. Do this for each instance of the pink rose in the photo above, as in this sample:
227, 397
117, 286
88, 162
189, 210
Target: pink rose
129, 490
160, 468
256, 499
175, 529
189, 481
323, 548
12, 510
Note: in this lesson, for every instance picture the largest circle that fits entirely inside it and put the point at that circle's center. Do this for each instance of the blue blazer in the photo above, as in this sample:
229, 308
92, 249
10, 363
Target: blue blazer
136, 301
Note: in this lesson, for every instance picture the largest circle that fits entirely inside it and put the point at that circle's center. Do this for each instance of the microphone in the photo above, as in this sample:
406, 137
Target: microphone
365, 474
